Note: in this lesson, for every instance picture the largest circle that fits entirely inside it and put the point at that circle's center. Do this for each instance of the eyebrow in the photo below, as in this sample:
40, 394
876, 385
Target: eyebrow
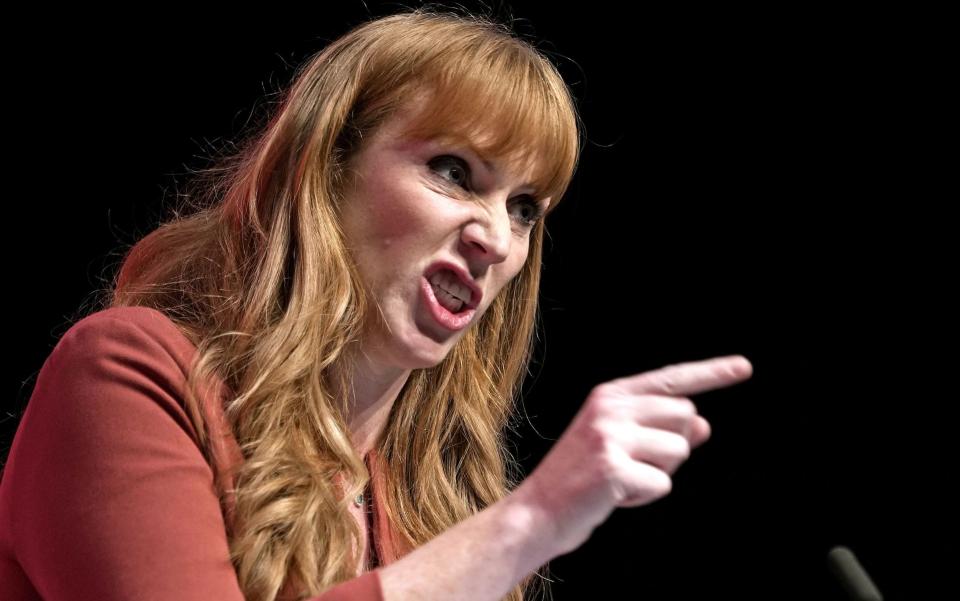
491, 167
483, 159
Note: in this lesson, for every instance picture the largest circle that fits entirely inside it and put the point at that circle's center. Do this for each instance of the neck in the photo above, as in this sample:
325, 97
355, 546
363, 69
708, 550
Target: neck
373, 390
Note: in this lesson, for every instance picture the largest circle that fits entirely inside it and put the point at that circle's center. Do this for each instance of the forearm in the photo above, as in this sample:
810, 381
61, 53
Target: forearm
480, 559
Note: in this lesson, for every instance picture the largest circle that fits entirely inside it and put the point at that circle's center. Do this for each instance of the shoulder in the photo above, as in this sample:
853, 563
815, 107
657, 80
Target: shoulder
124, 322
143, 316
106, 473
110, 367
125, 335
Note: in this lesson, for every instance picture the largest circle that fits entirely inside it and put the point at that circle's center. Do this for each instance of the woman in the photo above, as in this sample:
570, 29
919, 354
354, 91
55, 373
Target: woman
299, 389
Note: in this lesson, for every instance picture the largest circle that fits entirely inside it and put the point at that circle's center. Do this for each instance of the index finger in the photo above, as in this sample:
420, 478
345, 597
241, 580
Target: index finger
682, 379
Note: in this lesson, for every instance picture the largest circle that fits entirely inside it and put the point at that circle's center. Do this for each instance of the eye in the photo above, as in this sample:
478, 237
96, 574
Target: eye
452, 169
529, 211
457, 168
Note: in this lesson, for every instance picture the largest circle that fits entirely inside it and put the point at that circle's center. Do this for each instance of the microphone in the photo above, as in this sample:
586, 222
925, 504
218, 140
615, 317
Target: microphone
854, 579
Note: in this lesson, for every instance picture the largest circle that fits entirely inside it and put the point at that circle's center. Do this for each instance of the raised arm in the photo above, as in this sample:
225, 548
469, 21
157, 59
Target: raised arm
619, 451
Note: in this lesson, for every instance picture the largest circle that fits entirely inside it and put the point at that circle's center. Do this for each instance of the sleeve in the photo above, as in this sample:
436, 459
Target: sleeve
111, 497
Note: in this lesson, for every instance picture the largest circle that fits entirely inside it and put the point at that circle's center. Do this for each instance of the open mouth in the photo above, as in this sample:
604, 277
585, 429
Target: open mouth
449, 291
451, 297
452, 304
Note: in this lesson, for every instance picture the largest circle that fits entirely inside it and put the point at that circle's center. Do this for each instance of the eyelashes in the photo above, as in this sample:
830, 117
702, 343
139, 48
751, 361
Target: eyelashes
459, 176
454, 165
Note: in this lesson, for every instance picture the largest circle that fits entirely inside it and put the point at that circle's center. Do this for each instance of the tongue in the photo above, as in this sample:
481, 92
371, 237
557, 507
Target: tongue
447, 300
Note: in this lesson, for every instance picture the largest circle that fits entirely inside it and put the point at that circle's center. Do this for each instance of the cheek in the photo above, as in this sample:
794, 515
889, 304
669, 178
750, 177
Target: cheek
520, 259
389, 218
381, 234
510, 270
400, 216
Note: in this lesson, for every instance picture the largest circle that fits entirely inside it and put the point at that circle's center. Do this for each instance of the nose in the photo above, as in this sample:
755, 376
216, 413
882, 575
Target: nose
488, 237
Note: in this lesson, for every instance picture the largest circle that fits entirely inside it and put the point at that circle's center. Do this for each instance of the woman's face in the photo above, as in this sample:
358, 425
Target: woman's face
436, 234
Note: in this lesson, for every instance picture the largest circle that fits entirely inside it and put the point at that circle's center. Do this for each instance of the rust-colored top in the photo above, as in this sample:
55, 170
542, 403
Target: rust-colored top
106, 494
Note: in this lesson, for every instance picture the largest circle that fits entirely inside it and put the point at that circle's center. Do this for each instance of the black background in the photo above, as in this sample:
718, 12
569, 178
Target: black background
754, 181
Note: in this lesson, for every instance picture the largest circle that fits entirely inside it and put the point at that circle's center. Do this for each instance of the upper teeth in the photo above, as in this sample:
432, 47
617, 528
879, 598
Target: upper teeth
452, 284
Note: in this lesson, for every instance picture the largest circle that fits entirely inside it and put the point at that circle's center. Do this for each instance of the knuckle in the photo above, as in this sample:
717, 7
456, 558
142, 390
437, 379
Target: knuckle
597, 440
600, 393
669, 382
620, 408
611, 390
593, 404
607, 465
614, 405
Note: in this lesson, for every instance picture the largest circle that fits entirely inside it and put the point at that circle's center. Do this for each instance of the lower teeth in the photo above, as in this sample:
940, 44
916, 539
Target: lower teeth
447, 300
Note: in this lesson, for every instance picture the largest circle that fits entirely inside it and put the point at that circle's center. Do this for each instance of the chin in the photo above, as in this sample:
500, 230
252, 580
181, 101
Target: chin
426, 356
418, 347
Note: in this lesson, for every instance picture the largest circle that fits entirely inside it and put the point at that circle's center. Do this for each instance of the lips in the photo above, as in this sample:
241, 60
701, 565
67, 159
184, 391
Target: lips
445, 306
441, 315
